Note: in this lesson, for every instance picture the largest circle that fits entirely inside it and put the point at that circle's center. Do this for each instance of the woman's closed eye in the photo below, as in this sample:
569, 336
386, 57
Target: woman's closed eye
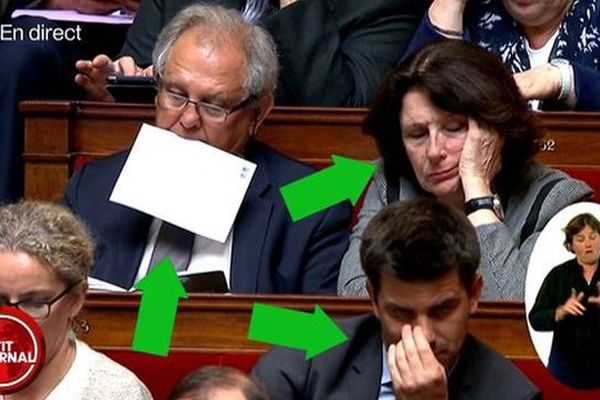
455, 128
415, 134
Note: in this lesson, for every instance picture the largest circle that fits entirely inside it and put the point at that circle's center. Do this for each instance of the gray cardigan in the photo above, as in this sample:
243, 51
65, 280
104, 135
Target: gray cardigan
504, 261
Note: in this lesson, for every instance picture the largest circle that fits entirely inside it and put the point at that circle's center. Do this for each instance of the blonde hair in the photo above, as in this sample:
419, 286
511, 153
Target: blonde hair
51, 234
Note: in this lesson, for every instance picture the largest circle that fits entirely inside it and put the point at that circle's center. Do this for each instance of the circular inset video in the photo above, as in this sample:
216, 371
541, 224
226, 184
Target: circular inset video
562, 296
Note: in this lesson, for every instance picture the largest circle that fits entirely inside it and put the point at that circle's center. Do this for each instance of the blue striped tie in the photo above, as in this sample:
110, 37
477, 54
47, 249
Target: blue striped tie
254, 9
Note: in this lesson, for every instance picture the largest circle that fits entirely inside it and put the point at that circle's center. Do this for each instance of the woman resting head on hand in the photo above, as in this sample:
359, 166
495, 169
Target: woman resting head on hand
449, 122
45, 257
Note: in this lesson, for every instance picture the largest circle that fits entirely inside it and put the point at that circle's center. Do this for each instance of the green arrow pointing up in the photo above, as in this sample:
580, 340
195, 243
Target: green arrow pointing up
156, 317
314, 333
346, 179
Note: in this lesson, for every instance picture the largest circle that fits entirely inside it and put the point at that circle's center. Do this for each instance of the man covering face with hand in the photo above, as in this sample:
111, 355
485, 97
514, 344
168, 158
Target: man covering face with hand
421, 259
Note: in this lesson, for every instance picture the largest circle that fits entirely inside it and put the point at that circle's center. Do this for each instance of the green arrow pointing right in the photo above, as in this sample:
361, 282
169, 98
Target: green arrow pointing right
315, 333
345, 179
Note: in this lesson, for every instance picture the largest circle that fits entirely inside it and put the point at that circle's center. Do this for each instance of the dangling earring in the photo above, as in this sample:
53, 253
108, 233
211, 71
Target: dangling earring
80, 325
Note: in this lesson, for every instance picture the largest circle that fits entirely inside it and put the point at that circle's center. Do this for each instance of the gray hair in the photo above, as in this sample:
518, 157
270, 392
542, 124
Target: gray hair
220, 25
49, 233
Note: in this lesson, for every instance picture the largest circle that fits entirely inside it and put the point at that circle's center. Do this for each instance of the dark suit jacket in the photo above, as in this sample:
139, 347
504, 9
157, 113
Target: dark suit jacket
332, 52
353, 370
270, 253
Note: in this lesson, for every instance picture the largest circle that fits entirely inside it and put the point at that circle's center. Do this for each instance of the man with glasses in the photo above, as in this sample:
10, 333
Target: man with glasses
216, 81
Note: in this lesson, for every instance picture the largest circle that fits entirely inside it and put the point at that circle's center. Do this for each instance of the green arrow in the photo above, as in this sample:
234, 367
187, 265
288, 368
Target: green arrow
156, 317
345, 179
314, 333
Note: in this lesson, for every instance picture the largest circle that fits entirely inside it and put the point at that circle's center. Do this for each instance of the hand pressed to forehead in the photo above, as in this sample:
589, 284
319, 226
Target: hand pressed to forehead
480, 160
414, 369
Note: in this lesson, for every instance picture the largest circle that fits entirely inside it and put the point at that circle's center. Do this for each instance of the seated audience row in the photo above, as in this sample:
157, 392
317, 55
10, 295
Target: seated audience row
449, 123
421, 257
333, 53
456, 138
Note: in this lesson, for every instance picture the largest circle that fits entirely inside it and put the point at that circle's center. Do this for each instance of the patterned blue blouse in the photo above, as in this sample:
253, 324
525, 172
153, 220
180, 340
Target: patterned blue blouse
487, 23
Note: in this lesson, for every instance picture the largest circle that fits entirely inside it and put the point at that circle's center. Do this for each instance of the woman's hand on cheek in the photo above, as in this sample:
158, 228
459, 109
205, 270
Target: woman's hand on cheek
480, 160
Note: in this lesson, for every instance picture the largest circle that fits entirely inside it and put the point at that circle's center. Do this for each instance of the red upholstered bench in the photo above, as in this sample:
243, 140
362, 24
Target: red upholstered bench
161, 374
590, 175
551, 388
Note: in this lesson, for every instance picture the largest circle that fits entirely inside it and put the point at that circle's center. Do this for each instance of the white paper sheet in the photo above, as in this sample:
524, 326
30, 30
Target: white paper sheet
185, 182
98, 285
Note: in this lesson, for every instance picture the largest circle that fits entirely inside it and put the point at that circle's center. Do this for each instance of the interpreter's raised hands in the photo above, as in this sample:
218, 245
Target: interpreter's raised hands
595, 300
93, 74
416, 373
539, 83
572, 307
480, 160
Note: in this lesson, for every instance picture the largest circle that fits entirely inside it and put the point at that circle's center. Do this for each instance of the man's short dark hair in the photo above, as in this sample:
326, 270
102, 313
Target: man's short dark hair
576, 225
200, 383
419, 240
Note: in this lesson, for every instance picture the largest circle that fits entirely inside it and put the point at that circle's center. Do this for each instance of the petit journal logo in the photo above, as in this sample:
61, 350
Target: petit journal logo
22, 350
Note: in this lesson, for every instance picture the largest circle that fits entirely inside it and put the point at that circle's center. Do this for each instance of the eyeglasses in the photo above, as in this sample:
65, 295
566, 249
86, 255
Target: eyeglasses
206, 111
37, 309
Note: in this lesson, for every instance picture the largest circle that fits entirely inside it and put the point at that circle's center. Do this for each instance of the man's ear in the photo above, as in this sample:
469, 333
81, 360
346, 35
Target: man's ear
373, 298
265, 104
475, 293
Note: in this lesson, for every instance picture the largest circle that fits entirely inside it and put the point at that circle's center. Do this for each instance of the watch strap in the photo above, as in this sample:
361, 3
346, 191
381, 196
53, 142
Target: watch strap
479, 203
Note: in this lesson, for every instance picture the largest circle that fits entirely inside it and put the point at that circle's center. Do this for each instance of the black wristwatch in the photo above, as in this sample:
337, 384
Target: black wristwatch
485, 203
